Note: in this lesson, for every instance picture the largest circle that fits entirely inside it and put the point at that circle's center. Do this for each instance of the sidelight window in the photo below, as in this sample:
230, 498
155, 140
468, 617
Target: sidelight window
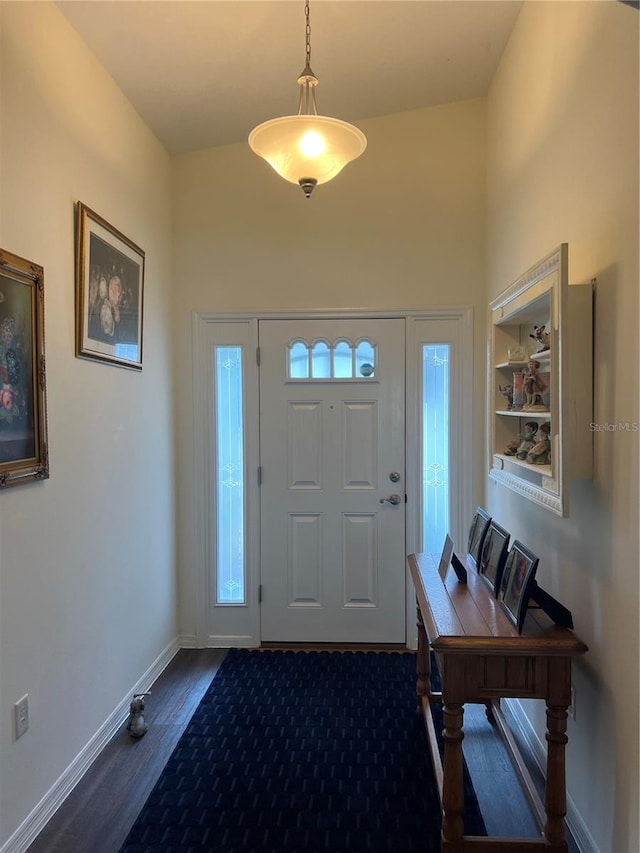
435, 446
230, 586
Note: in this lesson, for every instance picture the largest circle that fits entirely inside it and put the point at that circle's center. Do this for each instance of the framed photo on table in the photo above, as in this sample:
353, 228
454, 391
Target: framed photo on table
24, 452
445, 557
478, 530
109, 291
517, 579
494, 555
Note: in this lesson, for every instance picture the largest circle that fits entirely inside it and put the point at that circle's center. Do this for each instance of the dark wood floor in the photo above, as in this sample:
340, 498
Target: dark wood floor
97, 815
99, 812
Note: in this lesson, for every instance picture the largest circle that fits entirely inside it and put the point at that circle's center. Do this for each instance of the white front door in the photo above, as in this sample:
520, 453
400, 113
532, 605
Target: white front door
332, 462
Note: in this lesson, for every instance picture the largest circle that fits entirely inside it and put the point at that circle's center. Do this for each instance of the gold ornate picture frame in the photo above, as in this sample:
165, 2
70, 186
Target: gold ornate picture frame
24, 452
109, 291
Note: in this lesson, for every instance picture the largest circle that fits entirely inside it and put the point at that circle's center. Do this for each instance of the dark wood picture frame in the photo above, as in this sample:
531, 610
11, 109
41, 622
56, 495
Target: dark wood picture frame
517, 579
494, 555
109, 292
24, 450
458, 568
477, 531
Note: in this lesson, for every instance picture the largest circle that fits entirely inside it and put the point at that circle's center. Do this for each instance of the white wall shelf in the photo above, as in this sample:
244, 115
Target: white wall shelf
542, 296
539, 416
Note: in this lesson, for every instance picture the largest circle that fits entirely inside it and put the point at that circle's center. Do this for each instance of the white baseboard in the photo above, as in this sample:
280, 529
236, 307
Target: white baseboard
575, 822
188, 641
33, 824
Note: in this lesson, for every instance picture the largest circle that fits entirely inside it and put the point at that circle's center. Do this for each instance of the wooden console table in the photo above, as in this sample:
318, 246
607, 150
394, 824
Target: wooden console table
482, 659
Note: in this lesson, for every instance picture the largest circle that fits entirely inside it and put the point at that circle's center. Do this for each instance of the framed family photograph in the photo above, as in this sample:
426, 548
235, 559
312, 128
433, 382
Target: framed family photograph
109, 290
478, 530
494, 555
517, 579
24, 453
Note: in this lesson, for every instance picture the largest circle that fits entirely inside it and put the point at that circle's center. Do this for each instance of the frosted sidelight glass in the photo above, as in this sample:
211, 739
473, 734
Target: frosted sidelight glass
230, 563
435, 446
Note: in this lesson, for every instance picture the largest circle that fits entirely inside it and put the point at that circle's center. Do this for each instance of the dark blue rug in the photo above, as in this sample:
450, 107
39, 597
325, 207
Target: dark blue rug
301, 751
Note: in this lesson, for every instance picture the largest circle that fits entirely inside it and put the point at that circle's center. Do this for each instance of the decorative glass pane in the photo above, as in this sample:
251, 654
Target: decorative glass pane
320, 361
365, 360
229, 476
343, 361
435, 446
299, 361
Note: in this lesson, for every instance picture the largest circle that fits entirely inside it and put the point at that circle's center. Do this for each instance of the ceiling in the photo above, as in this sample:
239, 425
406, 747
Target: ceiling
205, 72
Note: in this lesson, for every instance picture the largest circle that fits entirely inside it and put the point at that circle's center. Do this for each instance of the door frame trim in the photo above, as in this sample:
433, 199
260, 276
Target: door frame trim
462, 409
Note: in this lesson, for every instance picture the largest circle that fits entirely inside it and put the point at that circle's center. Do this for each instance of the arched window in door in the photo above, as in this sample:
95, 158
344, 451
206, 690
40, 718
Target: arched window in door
342, 359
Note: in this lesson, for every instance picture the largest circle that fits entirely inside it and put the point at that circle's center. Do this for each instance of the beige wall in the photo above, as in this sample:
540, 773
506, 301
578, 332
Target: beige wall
87, 560
563, 167
87, 568
403, 227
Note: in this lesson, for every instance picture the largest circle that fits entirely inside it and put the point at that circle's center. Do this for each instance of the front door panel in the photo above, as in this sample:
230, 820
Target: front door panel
332, 553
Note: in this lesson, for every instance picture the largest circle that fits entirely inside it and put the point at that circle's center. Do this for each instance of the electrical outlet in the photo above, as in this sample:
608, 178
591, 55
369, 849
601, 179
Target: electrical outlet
572, 706
21, 711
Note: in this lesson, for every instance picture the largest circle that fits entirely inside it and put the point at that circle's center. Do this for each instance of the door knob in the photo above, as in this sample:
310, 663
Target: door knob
394, 500
394, 476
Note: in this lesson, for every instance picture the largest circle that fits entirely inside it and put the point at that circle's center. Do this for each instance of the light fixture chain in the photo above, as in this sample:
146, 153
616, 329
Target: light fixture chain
308, 32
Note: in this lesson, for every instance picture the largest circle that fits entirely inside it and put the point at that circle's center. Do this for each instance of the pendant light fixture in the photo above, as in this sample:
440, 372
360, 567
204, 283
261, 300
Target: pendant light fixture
307, 149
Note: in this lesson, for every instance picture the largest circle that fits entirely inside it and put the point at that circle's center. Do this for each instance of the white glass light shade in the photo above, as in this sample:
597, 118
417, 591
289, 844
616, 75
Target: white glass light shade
306, 147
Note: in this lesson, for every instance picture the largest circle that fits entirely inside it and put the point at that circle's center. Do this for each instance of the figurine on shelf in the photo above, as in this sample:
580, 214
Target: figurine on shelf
541, 337
507, 391
524, 443
533, 388
540, 453
528, 439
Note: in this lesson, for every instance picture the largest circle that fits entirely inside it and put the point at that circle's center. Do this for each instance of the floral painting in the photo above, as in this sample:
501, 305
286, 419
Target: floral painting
109, 283
16, 394
23, 444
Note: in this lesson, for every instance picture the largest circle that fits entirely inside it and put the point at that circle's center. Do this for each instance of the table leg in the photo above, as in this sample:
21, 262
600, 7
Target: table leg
555, 797
453, 787
423, 664
488, 711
